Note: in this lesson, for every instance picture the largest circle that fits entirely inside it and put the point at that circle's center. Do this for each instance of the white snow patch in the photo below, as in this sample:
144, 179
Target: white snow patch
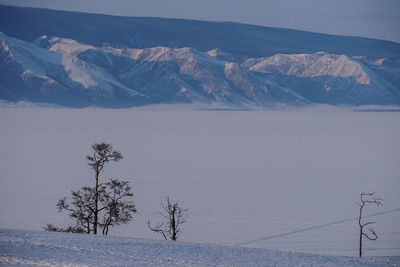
183, 56
67, 46
379, 61
5, 46
76, 71
328, 88
310, 65
214, 53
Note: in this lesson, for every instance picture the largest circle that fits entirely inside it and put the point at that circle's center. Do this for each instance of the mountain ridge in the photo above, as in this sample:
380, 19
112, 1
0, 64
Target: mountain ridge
60, 70
140, 32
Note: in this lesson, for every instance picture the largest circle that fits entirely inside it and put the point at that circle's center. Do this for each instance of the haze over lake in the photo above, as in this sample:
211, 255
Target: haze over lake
272, 179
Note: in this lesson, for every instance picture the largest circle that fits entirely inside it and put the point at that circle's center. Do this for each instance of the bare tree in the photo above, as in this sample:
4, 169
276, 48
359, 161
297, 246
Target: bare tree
117, 209
81, 208
371, 199
174, 215
102, 153
115, 206
104, 205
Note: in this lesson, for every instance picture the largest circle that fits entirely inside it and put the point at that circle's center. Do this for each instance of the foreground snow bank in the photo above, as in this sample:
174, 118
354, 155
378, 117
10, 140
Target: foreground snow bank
39, 248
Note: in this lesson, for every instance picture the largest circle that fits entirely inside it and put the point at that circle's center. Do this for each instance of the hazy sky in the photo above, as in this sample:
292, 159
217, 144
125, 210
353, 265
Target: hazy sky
370, 18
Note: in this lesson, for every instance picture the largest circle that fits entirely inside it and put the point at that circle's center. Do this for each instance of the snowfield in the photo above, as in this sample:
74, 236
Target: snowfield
35, 248
282, 180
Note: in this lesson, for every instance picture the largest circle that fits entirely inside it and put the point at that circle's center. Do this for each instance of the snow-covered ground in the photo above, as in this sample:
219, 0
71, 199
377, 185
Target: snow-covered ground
35, 248
285, 180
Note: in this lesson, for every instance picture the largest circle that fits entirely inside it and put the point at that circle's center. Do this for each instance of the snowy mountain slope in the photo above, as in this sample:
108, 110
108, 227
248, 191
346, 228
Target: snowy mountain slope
330, 78
306, 65
197, 76
159, 74
35, 74
38, 248
108, 76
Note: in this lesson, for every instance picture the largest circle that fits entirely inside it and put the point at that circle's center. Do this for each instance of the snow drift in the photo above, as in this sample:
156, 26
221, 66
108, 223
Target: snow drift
35, 248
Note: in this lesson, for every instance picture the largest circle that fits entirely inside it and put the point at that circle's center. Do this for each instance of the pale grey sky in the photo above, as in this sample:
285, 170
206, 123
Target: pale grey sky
369, 18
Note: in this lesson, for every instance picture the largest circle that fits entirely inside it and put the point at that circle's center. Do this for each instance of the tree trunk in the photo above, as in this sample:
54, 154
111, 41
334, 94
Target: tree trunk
96, 200
106, 230
173, 225
360, 247
361, 228
106, 225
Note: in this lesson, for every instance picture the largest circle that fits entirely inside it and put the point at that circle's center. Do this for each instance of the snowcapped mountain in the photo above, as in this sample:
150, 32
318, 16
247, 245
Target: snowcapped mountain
144, 64
314, 65
332, 79
31, 73
55, 67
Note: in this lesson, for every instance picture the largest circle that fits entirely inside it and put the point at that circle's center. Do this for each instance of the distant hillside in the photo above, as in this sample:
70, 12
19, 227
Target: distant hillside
238, 39
78, 59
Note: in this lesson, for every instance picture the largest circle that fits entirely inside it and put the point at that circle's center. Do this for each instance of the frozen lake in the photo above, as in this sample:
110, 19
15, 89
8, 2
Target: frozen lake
284, 180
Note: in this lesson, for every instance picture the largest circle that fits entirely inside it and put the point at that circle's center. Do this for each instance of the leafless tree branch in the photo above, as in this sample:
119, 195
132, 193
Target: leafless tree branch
175, 217
367, 198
